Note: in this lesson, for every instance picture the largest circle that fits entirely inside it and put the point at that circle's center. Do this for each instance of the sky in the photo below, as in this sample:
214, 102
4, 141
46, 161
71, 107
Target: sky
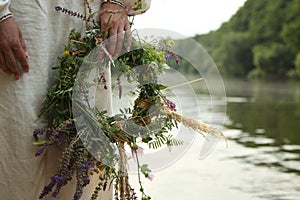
188, 17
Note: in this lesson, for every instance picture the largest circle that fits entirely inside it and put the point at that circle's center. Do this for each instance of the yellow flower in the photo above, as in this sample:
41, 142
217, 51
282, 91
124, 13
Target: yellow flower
66, 53
128, 68
170, 43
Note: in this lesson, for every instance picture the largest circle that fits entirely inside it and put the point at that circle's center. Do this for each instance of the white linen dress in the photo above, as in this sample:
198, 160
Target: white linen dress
45, 31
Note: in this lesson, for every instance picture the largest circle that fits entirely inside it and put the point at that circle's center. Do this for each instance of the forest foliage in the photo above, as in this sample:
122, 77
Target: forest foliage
261, 40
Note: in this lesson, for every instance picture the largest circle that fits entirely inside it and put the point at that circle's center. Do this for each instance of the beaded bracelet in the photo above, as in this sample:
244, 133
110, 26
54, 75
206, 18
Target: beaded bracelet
5, 17
118, 2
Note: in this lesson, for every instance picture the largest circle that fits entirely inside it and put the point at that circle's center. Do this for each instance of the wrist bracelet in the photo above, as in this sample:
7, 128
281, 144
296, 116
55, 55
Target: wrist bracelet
118, 2
5, 17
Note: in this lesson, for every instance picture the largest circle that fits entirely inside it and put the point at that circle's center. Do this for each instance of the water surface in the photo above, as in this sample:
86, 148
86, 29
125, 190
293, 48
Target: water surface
262, 160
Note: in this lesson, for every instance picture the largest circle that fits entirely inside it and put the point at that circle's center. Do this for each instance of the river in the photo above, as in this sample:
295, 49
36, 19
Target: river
261, 160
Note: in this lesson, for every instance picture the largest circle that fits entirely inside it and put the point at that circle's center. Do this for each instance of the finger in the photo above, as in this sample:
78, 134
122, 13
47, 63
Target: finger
105, 21
22, 41
3, 66
120, 41
20, 54
26, 69
128, 36
112, 40
11, 63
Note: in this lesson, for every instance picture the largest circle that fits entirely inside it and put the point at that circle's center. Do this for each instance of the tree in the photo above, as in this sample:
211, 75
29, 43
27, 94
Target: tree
272, 59
295, 73
262, 37
291, 35
234, 55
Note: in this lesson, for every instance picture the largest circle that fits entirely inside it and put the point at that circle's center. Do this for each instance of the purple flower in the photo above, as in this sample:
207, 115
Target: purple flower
169, 104
120, 87
57, 178
103, 78
167, 57
138, 151
86, 165
74, 49
150, 176
69, 12
37, 132
39, 152
171, 53
100, 37
58, 8
133, 194
47, 189
87, 181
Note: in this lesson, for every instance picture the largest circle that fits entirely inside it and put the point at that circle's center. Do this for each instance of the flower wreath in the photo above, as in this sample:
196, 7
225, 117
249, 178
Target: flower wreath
149, 121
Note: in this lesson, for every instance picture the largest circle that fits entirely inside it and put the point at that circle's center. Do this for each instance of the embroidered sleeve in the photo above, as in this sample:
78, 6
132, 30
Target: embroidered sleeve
139, 6
134, 7
145, 6
4, 11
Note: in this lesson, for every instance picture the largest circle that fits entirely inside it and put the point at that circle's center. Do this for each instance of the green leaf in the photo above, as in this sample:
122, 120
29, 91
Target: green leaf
122, 175
145, 170
39, 143
160, 87
146, 139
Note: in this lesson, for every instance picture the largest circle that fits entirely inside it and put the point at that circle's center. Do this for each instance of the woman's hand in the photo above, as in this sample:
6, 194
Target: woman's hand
114, 19
12, 49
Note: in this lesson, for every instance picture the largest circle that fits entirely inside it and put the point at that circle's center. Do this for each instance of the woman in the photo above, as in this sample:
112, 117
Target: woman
32, 35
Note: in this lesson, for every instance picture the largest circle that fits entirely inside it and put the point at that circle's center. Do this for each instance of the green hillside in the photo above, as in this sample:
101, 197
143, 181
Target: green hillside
262, 40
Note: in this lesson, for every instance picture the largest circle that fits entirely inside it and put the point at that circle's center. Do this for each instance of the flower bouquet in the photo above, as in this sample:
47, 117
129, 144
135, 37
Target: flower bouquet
93, 142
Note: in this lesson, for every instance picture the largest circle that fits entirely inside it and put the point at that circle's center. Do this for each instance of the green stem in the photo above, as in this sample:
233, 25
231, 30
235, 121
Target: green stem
139, 178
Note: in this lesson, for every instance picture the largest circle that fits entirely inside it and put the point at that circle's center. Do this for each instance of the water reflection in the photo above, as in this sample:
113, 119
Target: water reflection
268, 115
262, 159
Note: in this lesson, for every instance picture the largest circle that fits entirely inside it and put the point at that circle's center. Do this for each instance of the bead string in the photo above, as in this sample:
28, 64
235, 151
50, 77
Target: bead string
70, 12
